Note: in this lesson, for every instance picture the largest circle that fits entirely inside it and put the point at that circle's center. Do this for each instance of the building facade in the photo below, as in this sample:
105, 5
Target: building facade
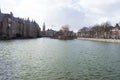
13, 27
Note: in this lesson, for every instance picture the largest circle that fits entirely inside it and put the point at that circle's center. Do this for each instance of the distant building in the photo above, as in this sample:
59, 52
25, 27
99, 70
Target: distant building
115, 32
65, 33
51, 33
13, 27
85, 32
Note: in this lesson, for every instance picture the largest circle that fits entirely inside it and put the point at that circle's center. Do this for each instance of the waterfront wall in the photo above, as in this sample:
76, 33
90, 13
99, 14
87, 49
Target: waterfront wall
101, 40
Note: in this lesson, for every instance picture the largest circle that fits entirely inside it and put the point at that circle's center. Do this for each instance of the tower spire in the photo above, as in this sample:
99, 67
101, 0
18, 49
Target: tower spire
0, 10
44, 26
44, 32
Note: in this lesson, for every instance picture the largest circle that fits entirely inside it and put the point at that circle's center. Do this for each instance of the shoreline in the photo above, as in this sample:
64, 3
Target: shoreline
101, 40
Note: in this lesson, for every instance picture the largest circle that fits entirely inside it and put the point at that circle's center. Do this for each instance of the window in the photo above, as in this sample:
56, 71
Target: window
9, 25
9, 20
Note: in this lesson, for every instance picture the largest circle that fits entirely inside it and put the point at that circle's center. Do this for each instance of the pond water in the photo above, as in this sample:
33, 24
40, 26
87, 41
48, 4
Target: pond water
52, 59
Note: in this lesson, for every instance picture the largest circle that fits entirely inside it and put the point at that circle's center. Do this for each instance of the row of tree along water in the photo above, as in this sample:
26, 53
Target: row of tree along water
104, 30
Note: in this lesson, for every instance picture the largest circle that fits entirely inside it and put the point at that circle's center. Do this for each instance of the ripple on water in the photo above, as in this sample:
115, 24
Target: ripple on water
46, 59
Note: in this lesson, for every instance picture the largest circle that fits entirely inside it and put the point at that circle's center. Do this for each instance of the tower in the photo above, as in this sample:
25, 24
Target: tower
43, 31
44, 27
0, 10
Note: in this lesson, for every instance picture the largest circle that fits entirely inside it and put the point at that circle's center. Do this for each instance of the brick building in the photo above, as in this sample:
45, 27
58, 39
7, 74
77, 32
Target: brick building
13, 27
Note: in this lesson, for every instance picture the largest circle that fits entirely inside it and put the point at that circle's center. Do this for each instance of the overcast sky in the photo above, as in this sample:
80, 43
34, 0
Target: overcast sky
76, 13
